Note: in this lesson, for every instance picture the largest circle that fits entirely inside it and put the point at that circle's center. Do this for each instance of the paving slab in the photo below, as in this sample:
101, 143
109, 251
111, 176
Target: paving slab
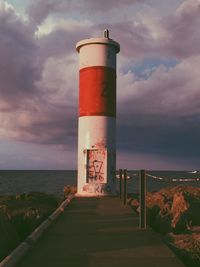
99, 232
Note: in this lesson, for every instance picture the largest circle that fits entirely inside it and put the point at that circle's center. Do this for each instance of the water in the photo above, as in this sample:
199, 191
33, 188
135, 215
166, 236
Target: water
155, 184
52, 182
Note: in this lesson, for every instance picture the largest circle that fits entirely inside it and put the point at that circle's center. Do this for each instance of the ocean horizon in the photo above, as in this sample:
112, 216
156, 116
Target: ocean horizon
53, 181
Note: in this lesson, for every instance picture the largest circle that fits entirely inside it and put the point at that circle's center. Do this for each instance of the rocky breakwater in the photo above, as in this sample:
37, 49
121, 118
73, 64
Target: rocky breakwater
20, 215
175, 213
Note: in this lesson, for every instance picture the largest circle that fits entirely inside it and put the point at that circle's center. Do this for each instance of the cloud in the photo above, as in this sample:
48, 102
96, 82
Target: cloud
184, 29
51, 116
19, 65
173, 91
149, 35
34, 88
161, 114
41, 9
23, 156
158, 106
44, 126
149, 161
62, 41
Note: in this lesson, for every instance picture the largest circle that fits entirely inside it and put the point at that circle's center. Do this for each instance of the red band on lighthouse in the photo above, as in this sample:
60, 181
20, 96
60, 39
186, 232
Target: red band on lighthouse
97, 91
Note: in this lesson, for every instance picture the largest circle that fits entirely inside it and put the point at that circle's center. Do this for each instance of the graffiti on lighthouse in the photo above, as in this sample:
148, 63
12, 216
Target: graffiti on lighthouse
96, 166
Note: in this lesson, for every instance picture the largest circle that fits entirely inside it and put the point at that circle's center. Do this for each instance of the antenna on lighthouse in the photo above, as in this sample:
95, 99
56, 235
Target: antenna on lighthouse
106, 33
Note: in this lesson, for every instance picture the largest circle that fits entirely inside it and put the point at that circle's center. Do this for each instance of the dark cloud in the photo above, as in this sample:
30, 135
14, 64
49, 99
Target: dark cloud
160, 135
40, 123
19, 65
35, 108
61, 42
161, 115
57, 127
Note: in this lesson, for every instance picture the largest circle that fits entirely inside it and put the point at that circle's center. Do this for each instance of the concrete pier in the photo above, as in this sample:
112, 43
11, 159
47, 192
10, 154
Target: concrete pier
99, 232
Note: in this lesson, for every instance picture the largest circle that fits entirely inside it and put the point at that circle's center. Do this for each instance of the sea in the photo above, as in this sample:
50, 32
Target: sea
53, 181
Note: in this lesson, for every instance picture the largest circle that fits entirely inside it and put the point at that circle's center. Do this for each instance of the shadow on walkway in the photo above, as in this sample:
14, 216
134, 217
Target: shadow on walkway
99, 232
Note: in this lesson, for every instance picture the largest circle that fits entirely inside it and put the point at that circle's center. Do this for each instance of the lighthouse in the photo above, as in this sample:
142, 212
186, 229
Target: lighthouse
97, 116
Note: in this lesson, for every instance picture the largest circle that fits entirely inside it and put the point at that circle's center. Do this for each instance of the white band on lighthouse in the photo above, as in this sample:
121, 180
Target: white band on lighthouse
106, 55
96, 142
97, 112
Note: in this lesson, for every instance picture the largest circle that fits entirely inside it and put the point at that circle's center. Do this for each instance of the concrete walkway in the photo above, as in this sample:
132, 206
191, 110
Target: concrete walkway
99, 232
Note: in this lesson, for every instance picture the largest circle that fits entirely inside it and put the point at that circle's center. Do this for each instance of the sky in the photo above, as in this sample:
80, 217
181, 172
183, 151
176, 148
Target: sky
158, 81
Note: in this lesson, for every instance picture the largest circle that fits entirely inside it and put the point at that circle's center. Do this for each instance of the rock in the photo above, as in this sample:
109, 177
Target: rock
186, 246
178, 208
69, 189
9, 238
134, 203
172, 209
20, 215
175, 212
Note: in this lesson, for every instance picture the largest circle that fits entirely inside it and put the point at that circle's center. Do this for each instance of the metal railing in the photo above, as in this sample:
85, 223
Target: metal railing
124, 176
142, 200
123, 185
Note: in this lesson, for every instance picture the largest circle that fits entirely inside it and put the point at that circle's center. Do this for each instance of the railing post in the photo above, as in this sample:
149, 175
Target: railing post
120, 183
142, 185
125, 186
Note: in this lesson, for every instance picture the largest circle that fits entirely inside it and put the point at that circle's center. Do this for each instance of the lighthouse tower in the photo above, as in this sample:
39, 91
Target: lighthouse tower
97, 116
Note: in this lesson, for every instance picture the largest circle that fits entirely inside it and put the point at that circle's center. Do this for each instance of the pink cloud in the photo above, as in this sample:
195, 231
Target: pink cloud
175, 91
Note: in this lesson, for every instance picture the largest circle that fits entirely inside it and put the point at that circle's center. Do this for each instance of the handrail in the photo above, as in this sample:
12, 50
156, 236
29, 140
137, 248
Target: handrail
20, 250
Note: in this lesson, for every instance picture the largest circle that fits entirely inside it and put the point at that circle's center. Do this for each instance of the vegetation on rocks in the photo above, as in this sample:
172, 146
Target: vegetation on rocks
175, 212
69, 189
186, 246
20, 215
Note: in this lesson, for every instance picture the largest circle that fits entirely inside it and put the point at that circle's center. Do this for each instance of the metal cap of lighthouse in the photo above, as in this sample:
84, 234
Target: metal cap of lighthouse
97, 116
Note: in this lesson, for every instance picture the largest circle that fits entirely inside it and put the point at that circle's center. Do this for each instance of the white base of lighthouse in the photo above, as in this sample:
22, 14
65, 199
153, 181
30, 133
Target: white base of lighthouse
96, 156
